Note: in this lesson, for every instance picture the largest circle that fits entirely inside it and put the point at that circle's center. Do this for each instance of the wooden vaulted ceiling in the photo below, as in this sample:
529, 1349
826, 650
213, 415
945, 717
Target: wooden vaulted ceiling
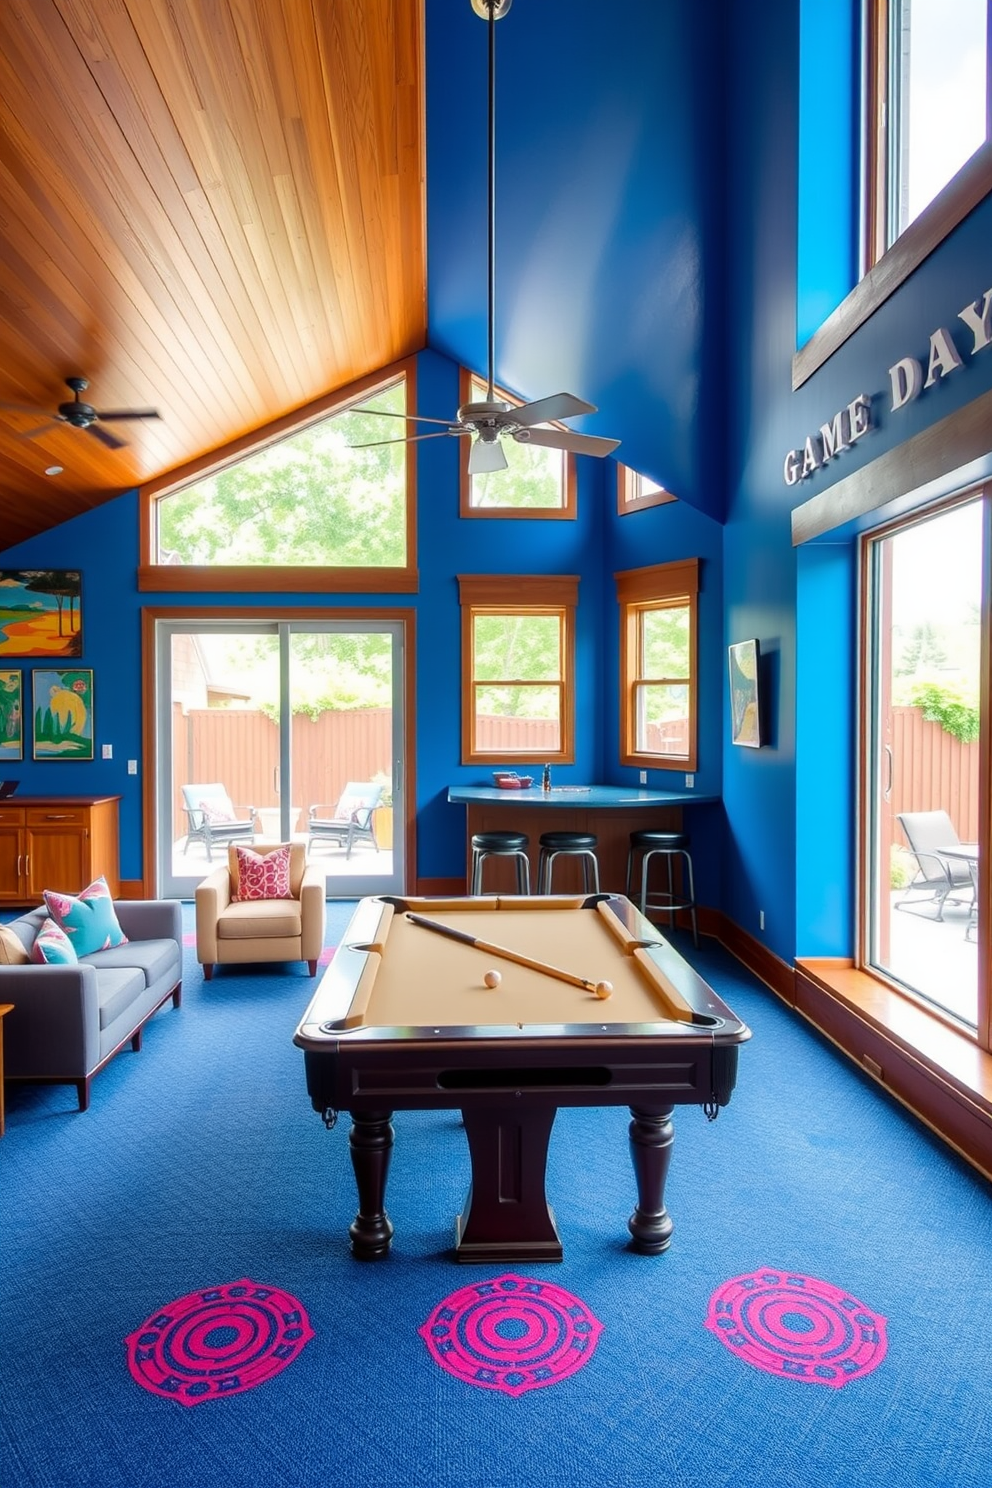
214, 208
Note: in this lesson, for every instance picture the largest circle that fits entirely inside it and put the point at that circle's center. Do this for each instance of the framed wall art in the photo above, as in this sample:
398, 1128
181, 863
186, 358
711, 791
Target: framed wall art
11, 715
745, 713
62, 703
41, 612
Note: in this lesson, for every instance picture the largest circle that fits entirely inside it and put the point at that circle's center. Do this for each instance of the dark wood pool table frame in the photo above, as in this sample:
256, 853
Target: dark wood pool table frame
508, 1084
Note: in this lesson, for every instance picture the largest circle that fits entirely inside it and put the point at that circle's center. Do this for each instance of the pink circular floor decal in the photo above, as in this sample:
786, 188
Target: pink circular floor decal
217, 1342
798, 1327
511, 1334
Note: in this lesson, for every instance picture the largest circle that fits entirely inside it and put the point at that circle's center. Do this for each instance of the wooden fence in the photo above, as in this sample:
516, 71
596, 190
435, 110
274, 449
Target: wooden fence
240, 748
931, 771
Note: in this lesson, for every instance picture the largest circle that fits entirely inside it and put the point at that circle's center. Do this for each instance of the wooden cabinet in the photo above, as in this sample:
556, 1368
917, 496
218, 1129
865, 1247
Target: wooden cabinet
57, 843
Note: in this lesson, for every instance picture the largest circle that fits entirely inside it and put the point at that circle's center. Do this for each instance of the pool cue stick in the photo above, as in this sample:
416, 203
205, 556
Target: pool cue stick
505, 953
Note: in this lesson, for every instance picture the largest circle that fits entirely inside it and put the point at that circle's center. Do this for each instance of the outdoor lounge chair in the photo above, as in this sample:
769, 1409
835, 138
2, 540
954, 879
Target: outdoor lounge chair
350, 821
213, 820
938, 880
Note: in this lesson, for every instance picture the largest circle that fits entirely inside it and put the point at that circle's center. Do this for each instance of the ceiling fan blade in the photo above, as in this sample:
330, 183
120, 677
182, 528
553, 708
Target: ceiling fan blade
110, 440
486, 456
547, 410
410, 438
22, 408
411, 418
129, 413
38, 429
564, 439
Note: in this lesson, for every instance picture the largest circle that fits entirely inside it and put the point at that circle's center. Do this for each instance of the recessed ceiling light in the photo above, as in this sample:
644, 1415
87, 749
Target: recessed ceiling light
53, 470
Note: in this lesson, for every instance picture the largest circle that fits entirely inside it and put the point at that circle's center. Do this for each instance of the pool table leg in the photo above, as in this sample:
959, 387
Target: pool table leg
651, 1137
371, 1143
507, 1217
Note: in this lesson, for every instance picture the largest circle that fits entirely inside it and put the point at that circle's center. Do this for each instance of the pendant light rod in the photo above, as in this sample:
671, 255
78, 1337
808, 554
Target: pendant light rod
491, 11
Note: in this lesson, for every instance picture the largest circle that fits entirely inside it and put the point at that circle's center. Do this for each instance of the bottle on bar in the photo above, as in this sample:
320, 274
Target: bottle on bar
546, 778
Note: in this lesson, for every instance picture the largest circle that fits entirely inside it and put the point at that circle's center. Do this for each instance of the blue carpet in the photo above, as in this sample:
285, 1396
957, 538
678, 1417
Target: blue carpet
201, 1162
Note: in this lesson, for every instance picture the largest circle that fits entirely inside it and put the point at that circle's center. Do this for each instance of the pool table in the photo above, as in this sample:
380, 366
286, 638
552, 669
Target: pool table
592, 1007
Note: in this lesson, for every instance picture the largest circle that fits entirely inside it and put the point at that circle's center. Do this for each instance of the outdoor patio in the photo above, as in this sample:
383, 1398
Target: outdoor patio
943, 964
364, 861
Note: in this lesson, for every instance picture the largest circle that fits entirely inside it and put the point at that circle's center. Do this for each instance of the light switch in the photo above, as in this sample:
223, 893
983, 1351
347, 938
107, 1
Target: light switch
132, 767
107, 751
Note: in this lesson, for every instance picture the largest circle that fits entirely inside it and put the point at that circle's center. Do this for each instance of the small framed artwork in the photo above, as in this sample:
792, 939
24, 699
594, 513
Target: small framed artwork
745, 713
41, 612
62, 702
11, 715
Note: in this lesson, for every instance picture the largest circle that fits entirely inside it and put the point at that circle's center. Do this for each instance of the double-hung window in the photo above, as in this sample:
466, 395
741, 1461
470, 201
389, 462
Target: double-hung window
658, 677
518, 667
537, 482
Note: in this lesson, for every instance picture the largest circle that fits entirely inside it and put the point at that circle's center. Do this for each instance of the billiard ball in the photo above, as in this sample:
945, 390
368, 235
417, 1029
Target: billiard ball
492, 978
603, 990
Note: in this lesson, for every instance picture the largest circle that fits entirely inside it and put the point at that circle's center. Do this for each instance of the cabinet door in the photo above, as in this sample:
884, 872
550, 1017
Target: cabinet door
11, 862
58, 858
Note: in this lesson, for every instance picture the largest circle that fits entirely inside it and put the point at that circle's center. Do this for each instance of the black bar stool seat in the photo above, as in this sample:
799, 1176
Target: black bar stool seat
500, 845
567, 844
668, 846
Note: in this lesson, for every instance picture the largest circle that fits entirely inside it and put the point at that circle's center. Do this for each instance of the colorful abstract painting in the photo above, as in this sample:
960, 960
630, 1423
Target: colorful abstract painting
11, 716
63, 713
41, 612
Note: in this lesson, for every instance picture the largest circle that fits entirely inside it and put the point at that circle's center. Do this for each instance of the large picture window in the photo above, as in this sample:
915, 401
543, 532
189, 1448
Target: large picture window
658, 665
518, 665
926, 593
929, 105
322, 499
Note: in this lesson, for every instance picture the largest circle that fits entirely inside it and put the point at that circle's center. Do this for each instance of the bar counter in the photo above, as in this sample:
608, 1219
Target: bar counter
611, 812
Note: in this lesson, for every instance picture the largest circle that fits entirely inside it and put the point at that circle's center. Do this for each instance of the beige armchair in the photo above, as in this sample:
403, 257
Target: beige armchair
233, 931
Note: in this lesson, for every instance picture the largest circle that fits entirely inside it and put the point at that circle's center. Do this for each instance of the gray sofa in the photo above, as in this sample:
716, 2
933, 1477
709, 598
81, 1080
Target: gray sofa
68, 1021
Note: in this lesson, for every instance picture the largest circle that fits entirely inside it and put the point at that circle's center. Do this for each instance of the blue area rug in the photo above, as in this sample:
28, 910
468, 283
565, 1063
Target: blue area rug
200, 1167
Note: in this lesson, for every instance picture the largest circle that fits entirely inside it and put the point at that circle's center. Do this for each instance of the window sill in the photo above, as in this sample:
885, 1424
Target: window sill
938, 1072
972, 182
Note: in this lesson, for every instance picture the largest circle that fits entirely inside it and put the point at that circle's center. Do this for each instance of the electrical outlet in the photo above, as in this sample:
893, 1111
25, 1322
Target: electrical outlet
107, 751
132, 767
690, 781
644, 777
761, 919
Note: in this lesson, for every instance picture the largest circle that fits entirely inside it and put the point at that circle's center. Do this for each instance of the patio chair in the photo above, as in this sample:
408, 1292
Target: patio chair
212, 818
938, 880
348, 822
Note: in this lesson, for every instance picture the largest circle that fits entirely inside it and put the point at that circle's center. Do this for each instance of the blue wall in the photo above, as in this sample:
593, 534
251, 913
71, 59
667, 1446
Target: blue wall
658, 255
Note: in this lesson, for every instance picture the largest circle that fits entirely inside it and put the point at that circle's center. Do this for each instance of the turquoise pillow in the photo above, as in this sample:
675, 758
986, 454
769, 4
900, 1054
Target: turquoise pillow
88, 919
52, 947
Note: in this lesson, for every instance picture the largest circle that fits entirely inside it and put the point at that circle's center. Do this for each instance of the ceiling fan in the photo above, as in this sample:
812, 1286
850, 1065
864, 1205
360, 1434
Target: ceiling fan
493, 419
80, 415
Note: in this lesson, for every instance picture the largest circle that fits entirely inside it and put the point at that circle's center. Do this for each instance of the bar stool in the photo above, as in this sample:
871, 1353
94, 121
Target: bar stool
668, 846
567, 844
501, 845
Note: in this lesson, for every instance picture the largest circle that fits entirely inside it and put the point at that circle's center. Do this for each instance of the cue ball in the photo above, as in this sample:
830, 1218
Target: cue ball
603, 990
492, 978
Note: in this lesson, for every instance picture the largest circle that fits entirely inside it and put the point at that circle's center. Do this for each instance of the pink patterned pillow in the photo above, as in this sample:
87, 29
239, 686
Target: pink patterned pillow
218, 810
263, 875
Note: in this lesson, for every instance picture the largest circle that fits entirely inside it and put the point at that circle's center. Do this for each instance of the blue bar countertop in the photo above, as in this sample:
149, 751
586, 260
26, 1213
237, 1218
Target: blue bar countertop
594, 797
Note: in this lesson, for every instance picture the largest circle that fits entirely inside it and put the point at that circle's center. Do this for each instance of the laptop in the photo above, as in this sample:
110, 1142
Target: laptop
7, 788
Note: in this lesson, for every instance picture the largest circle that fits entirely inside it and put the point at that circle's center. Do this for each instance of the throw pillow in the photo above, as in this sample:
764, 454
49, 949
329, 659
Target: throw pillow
88, 919
12, 952
263, 875
220, 809
52, 947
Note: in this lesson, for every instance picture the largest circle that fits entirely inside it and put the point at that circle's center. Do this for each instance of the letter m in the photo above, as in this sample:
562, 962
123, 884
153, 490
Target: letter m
834, 435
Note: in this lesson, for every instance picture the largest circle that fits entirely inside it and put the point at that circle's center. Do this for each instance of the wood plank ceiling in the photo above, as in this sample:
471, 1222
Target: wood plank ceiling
213, 208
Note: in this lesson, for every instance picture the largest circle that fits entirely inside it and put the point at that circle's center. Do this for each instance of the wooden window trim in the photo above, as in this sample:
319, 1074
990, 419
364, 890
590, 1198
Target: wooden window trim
659, 586
960, 196
626, 502
567, 512
519, 594
228, 578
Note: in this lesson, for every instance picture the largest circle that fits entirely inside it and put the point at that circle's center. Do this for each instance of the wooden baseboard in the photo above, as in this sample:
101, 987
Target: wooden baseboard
439, 888
934, 1070
132, 888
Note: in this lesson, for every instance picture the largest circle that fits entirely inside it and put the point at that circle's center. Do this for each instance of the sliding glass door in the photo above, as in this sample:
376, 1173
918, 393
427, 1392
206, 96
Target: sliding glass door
264, 727
924, 851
